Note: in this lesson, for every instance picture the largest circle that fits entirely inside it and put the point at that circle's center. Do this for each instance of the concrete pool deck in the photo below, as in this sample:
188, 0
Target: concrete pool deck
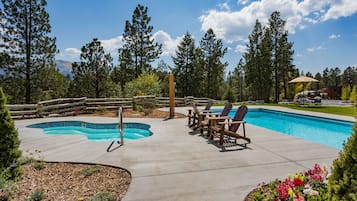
178, 164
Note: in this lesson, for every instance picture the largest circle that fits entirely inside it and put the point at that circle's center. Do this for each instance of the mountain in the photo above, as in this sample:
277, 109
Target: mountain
65, 67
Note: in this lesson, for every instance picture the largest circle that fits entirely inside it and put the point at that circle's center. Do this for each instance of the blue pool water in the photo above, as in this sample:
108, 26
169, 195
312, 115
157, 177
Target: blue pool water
319, 130
96, 132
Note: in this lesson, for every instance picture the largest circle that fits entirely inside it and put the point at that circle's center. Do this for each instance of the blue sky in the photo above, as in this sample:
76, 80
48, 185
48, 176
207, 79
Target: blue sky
324, 32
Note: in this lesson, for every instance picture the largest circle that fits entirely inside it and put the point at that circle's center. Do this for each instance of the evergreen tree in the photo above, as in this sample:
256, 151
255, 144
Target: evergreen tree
345, 92
213, 51
237, 80
342, 183
282, 55
353, 94
139, 48
26, 40
9, 140
126, 71
92, 73
349, 76
258, 63
162, 71
184, 66
199, 74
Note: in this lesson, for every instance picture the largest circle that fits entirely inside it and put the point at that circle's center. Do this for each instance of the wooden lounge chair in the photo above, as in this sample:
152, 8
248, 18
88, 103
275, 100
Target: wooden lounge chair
213, 119
195, 116
233, 126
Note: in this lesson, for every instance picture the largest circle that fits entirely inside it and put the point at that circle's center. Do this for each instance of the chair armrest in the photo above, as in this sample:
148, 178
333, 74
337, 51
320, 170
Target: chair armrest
206, 111
237, 122
218, 118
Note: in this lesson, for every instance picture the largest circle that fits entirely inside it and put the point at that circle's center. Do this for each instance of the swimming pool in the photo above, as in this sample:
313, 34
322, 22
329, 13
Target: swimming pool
93, 131
315, 129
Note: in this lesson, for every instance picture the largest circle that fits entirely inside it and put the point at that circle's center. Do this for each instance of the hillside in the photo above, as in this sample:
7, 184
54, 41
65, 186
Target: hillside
65, 67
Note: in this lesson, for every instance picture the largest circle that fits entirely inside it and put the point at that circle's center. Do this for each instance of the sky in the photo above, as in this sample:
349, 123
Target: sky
324, 32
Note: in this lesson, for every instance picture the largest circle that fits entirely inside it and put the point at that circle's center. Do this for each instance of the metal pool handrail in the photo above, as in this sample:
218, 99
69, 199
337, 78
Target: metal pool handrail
121, 130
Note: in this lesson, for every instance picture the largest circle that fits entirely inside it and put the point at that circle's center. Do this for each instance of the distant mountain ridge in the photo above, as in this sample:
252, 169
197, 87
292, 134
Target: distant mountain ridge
65, 67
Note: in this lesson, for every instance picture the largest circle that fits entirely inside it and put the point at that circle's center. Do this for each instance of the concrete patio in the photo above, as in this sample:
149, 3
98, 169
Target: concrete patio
177, 164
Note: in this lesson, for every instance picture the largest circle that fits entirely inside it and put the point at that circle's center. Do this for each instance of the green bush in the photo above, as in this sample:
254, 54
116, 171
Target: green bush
342, 183
38, 195
145, 84
9, 140
230, 95
102, 196
91, 170
345, 92
6, 185
353, 94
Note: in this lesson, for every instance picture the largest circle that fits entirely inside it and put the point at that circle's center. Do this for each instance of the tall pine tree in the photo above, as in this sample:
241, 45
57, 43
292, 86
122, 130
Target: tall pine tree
213, 52
92, 74
26, 40
184, 66
139, 48
258, 70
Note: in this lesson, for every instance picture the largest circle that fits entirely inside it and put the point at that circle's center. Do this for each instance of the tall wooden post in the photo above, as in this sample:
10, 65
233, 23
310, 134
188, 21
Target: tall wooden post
172, 95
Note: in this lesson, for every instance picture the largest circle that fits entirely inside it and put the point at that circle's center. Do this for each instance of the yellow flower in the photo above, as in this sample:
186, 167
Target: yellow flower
80, 199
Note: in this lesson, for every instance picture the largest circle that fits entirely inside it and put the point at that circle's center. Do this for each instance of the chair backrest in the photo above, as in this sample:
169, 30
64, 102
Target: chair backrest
239, 116
195, 109
227, 108
209, 104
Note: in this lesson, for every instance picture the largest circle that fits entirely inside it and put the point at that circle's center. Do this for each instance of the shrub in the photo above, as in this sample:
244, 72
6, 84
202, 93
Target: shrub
38, 195
230, 95
88, 171
353, 94
342, 183
9, 140
6, 185
102, 196
145, 84
345, 92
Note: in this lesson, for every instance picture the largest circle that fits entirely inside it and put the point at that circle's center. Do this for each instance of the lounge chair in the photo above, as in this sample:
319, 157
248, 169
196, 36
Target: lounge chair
233, 126
195, 115
213, 119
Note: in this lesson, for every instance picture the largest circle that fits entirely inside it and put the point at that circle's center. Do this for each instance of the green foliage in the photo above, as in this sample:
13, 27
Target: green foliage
37, 195
212, 53
101, 109
30, 48
9, 140
145, 84
258, 67
353, 94
345, 92
230, 95
6, 185
342, 183
92, 74
102, 196
184, 67
139, 48
88, 171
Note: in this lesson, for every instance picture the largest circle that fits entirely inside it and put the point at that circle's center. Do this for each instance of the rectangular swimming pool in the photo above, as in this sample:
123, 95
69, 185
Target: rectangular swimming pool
315, 129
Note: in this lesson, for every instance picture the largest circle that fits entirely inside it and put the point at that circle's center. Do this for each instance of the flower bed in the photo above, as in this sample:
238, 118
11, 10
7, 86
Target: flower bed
310, 185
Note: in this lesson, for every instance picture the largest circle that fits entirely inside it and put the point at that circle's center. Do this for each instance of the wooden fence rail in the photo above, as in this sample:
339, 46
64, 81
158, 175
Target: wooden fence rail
75, 106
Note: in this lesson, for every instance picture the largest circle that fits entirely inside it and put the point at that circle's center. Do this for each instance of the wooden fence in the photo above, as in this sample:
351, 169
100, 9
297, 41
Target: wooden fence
75, 106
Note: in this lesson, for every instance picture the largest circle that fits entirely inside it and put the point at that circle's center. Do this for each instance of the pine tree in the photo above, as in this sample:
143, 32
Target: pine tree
282, 55
213, 52
342, 183
139, 46
258, 70
237, 80
9, 141
26, 40
184, 66
353, 94
92, 74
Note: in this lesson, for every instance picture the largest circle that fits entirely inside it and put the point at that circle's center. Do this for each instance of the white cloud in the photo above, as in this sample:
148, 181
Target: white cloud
243, 2
341, 8
224, 6
334, 36
72, 53
112, 45
168, 44
314, 49
236, 25
241, 48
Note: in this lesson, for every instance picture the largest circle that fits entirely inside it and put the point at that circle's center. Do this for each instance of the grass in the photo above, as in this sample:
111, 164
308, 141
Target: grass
339, 110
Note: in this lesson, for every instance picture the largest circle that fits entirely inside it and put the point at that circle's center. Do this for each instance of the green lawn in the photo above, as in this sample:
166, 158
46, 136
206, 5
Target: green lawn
340, 110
